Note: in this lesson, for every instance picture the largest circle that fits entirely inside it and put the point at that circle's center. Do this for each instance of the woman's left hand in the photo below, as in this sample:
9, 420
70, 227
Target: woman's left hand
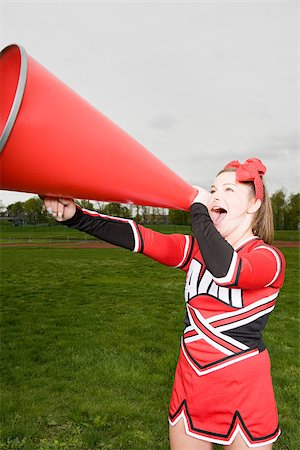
203, 196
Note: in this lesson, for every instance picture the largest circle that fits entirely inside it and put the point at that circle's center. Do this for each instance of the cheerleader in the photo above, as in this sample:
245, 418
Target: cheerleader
223, 389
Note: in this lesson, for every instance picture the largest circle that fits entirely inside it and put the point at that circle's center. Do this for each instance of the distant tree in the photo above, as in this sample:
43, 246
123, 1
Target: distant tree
138, 216
16, 211
86, 204
145, 214
2, 208
131, 209
179, 217
163, 215
292, 214
154, 218
116, 209
157, 215
28, 212
98, 206
33, 211
278, 200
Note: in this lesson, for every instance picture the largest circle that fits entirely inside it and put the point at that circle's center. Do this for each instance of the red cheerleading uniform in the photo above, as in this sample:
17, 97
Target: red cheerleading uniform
222, 382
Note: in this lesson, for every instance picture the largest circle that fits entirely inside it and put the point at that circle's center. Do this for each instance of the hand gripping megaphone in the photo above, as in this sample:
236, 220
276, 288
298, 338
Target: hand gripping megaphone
55, 143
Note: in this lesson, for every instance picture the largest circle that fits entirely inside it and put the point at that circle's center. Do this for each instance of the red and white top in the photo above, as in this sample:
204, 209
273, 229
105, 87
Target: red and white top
229, 293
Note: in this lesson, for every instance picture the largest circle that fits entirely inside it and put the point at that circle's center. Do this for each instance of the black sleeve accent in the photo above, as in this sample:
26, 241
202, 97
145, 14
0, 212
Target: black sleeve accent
141, 239
112, 230
216, 251
190, 254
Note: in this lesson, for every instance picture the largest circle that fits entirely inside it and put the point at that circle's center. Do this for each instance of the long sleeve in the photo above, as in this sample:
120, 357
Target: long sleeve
262, 266
117, 231
172, 250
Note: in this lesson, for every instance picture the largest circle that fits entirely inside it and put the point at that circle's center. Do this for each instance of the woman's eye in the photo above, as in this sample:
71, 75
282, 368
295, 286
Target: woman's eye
212, 191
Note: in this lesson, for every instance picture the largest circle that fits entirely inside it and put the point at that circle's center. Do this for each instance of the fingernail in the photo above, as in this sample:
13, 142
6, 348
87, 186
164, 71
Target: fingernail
59, 215
49, 210
54, 214
43, 208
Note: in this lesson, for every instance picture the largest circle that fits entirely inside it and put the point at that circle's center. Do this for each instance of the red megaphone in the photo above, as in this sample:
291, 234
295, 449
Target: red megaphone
55, 143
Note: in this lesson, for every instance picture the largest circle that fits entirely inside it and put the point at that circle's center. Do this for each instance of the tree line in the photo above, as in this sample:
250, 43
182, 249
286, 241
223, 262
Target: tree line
285, 212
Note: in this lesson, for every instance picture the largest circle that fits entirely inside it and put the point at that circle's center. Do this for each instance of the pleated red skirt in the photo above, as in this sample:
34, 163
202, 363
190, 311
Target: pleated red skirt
218, 405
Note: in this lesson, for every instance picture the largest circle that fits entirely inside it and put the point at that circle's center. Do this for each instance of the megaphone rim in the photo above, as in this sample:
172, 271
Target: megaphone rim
18, 95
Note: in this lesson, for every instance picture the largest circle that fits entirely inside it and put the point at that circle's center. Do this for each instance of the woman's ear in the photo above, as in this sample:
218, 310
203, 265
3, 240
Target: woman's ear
254, 206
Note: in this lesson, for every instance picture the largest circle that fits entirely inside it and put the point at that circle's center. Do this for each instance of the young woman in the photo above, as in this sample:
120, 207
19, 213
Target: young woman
223, 390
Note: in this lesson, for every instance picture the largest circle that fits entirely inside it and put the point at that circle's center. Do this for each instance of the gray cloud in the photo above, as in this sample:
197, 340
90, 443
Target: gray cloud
283, 145
163, 122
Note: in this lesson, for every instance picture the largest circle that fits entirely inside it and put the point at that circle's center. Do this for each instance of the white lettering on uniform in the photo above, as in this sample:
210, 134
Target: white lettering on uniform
192, 279
196, 285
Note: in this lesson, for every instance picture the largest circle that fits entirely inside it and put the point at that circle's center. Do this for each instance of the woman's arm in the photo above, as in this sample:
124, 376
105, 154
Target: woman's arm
172, 250
263, 266
117, 231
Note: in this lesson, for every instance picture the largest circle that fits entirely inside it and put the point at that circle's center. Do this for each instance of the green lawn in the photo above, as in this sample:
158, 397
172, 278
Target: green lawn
89, 344
56, 232
39, 233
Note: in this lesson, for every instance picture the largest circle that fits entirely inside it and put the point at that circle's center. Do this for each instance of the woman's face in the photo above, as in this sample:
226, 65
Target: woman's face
231, 205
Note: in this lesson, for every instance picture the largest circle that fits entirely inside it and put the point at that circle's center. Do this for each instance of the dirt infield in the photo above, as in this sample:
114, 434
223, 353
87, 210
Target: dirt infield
288, 244
101, 244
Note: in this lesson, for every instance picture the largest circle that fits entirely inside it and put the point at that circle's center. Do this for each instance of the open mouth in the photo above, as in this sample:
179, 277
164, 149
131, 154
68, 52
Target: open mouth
218, 214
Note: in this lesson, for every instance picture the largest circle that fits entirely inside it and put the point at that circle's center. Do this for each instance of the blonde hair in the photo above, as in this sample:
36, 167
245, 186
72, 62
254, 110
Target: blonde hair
263, 224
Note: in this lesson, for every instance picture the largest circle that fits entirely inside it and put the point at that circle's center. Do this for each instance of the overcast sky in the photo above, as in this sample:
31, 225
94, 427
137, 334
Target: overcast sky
198, 83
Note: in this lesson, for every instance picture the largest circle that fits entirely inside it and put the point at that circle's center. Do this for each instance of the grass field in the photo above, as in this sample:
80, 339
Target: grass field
56, 232
89, 344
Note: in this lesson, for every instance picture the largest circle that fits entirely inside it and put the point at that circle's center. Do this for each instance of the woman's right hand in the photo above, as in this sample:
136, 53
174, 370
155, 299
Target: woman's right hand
60, 208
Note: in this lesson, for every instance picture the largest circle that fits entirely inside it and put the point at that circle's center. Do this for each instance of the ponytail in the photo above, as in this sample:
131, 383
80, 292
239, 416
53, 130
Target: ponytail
263, 224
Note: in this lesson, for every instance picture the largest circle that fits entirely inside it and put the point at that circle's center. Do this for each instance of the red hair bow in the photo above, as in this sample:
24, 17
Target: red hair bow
252, 170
